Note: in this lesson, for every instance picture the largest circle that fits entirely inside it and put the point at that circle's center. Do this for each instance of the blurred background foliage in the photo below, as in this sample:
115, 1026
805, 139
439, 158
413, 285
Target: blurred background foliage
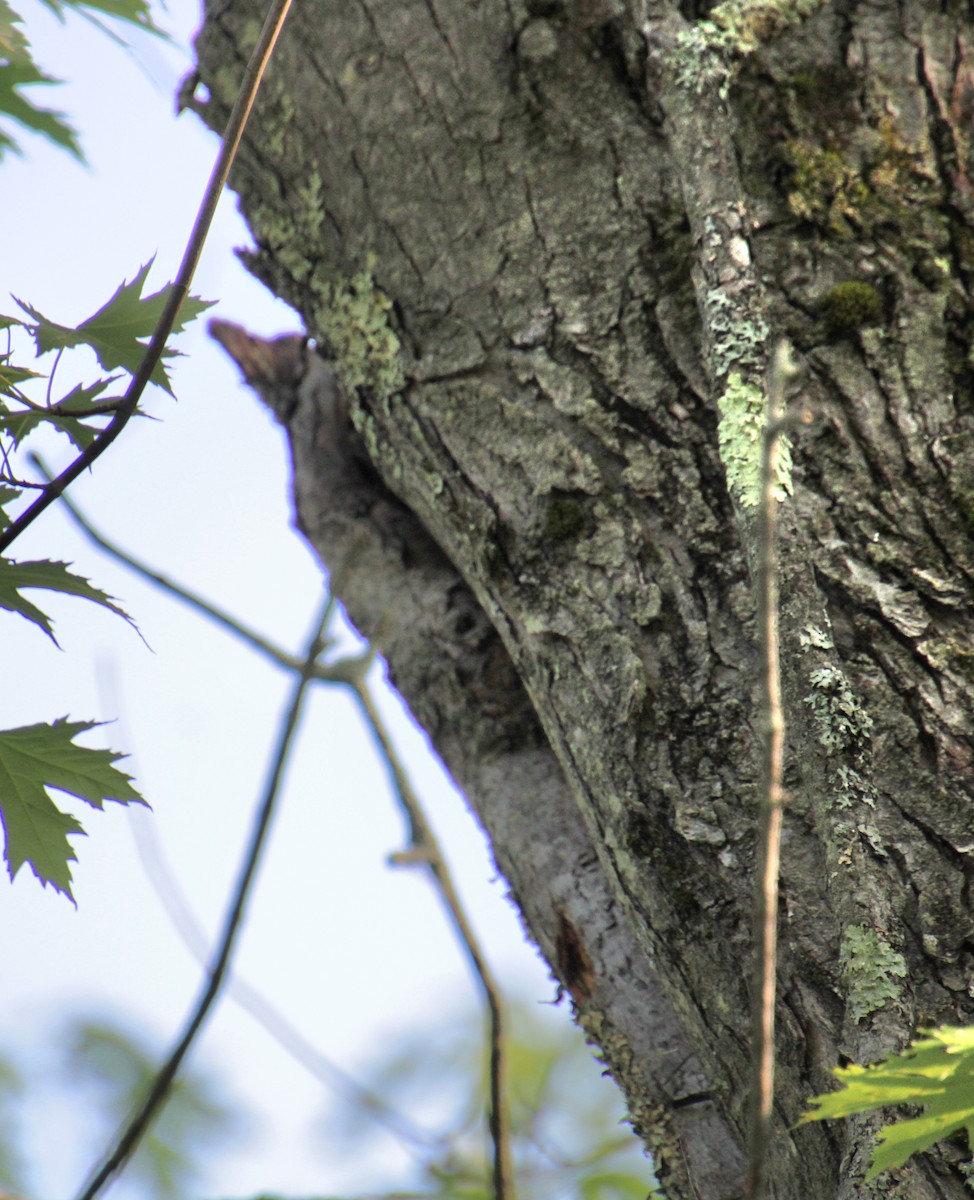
569, 1139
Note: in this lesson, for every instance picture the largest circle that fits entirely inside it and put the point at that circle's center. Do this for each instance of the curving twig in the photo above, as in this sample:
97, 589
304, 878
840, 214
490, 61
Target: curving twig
131, 1135
214, 189
218, 615
290, 1039
424, 848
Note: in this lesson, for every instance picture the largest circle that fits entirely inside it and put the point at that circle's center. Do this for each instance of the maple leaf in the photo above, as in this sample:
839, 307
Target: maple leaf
936, 1072
115, 331
7, 496
35, 758
11, 375
17, 70
55, 577
136, 12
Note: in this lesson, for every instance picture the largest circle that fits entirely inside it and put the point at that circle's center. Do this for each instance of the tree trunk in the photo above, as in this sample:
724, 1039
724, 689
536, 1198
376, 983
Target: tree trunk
548, 249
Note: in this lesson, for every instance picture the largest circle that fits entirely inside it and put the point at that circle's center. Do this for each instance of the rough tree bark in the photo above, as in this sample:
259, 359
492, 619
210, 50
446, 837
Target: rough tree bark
592, 220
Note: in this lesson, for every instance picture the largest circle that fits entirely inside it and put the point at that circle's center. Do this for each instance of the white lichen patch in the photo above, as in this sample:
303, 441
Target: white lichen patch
737, 28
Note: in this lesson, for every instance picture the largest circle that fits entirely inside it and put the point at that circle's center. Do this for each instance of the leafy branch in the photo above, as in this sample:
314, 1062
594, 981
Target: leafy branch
177, 294
40, 757
936, 1072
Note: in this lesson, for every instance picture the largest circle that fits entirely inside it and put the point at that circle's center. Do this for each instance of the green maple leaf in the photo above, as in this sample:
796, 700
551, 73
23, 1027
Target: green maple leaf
11, 375
115, 330
35, 758
17, 70
7, 496
936, 1072
53, 576
135, 12
77, 400
18, 424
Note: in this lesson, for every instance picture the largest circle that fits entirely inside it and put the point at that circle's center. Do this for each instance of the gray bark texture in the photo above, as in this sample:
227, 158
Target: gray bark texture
536, 243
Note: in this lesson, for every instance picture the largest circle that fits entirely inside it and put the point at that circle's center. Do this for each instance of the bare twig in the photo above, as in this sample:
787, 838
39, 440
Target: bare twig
230, 624
291, 1040
351, 671
181, 285
133, 1132
772, 788
425, 848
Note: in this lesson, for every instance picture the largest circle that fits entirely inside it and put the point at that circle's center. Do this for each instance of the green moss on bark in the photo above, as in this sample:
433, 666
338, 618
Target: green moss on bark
849, 306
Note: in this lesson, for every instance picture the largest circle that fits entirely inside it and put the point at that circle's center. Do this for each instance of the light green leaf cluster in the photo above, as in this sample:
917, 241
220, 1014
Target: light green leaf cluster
743, 411
353, 319
565, 1121
114, 1067
936, 1072
869, 966
33, 759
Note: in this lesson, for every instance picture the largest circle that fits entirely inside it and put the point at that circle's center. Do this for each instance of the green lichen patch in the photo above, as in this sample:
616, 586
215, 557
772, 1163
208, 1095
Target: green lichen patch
747, 24
353, 320
275, 229
738, 343
733, 30
743, 410
870, 967
843, 728
849, 306
841, 722
814, 637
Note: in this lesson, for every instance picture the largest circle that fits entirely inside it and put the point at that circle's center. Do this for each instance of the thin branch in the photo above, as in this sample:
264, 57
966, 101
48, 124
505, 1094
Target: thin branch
351, 671
101, 408
230, 624
344, 670
130, 1137
50, 378
290, 1039
60, 408
425, 848
17, 483
772, 788
228, 150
